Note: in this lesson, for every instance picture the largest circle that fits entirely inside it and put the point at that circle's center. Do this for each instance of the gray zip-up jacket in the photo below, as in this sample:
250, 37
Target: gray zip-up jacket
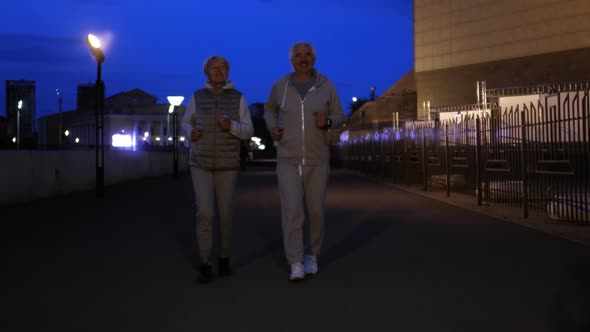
302, 143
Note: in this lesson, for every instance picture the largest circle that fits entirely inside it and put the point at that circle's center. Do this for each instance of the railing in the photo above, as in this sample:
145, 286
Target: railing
534, 156
539, 89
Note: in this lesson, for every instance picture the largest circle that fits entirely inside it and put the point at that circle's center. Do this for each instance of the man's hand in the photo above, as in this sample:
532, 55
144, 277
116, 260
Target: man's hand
277, 133
321, 120
224, 122
196, 134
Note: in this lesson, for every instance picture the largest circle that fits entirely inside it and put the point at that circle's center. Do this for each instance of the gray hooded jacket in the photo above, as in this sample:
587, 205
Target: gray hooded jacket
302, 143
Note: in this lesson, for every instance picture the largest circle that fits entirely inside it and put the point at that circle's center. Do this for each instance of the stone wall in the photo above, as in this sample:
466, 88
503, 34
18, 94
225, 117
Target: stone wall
33, 174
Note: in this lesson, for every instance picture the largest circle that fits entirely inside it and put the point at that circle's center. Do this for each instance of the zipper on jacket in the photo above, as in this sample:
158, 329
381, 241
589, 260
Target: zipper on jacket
302, 131
302, 115
303, 122
215, 131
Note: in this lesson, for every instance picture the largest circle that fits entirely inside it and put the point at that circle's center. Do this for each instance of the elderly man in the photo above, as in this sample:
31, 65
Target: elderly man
216, 119
301, 107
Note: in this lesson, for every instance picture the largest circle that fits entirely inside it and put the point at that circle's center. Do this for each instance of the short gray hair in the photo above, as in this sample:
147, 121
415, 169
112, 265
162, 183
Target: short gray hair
210, 59
301, 43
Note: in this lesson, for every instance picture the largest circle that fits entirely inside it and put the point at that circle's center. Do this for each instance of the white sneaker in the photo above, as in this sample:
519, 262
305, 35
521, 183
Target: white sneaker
310, 264
297, 272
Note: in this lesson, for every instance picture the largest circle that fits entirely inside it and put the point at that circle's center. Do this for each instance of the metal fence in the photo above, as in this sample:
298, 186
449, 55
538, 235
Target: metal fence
531, 155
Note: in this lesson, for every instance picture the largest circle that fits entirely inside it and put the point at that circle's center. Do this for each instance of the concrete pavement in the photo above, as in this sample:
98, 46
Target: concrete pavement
393, 260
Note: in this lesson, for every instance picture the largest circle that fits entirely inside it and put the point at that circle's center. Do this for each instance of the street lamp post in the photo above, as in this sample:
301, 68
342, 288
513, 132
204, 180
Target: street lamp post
94, 44
174, 101
60, 120
175, 143
19, 107
170, 111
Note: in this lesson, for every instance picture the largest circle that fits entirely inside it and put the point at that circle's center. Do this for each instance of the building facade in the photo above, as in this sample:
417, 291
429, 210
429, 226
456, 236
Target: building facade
502, 42
132, 119
396, 105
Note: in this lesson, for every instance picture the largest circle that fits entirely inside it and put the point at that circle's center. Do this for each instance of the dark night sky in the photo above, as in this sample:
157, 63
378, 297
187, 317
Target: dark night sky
159, 46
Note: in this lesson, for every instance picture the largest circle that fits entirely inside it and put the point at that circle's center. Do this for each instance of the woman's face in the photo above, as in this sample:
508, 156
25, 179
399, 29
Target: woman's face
217, 72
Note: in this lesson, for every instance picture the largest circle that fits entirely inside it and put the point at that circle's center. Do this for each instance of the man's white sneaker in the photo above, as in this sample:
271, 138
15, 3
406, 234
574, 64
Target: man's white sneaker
310, 264
297, 272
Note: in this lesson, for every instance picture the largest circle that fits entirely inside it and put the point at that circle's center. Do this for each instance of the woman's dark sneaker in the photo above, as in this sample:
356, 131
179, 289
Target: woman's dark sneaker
224, 268
205, 274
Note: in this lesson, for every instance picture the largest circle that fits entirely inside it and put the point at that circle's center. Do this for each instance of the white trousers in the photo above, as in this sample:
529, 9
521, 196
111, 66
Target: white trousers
303, 195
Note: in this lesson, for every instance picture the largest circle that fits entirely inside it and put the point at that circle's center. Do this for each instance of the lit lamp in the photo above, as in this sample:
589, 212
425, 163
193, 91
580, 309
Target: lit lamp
174, 101
95, 47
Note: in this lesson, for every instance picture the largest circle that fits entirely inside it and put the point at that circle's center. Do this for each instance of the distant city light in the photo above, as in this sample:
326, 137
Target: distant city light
122, 140
157, 138
67, 133
146, 134
257, 141
182, 138
344, 136
14, 140
77, 139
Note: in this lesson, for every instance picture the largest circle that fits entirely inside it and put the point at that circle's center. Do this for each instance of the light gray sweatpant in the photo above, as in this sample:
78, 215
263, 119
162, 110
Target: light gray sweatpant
302, 189
213, 187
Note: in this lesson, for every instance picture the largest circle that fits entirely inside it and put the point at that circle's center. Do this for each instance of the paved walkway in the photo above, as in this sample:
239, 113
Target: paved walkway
535, 220
393, 260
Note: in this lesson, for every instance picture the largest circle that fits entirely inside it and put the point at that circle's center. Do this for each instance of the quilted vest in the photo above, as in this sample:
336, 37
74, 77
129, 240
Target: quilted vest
217, 149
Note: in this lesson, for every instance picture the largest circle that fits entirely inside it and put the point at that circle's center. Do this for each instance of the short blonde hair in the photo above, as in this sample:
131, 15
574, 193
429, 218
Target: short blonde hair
213, 58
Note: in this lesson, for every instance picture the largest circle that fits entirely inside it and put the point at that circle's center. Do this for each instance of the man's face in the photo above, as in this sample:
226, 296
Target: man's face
302, 60
217, 72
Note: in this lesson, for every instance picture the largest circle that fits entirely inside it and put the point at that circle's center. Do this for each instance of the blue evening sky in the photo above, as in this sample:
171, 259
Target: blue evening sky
159, 46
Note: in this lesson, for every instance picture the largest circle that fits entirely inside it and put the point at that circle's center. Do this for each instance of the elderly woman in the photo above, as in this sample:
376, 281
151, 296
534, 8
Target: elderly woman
217, 119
